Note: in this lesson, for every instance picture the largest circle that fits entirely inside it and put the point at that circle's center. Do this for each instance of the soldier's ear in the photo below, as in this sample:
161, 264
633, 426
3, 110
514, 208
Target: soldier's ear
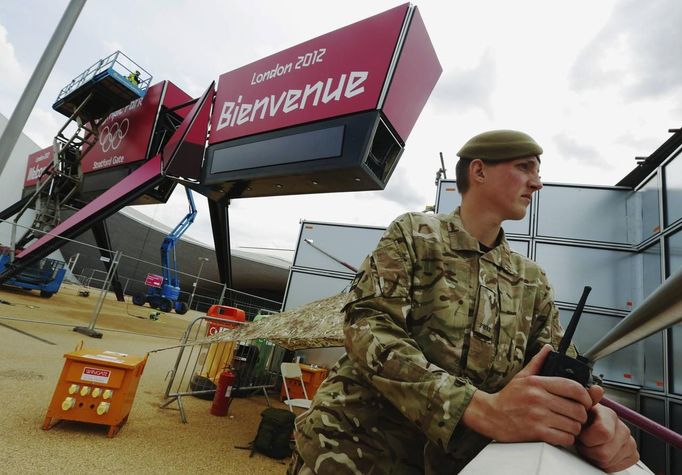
477, 170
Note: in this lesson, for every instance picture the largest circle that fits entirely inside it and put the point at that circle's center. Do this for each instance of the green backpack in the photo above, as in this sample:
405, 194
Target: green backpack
274, 433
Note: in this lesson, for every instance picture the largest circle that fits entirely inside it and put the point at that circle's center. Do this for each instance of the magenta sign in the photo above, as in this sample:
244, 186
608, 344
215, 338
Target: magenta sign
335, 74
125, 134
153, 280
37, 163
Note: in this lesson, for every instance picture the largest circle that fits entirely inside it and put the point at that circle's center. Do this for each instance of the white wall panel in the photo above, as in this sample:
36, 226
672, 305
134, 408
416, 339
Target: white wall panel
348, 243
592, 214
305, 287
608, 272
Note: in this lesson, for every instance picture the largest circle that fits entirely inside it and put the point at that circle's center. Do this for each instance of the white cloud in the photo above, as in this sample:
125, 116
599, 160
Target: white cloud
636, 51
112, 45
11, 72
42, 126
472, 88
571, 149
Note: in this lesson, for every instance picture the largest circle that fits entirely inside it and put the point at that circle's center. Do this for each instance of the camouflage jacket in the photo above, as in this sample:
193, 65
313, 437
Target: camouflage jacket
429, 318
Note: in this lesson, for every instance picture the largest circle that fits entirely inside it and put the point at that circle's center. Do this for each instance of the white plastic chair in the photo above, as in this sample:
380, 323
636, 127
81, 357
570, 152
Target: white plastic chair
293, 371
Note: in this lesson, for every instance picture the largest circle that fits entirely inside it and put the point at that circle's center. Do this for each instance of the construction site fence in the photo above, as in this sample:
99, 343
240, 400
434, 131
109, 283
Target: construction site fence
256, 364
199, 293
251, 304
86, 269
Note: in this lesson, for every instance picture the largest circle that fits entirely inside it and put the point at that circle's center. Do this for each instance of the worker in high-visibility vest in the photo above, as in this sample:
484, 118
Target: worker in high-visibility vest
134, 78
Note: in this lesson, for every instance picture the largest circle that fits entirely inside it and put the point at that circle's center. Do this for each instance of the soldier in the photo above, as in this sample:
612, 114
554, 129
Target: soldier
446, 329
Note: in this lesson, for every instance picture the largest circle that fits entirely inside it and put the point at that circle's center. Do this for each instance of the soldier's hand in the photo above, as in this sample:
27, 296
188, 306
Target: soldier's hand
596, 393
531, 408
606, 441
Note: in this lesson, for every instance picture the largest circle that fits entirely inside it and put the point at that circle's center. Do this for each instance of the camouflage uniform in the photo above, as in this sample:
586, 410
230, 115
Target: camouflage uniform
430, 318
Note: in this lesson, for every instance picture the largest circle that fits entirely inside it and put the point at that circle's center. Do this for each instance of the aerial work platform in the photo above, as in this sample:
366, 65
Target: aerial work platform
111, 82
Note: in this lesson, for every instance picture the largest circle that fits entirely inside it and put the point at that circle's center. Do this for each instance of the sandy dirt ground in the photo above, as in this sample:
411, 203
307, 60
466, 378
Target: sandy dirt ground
36, 333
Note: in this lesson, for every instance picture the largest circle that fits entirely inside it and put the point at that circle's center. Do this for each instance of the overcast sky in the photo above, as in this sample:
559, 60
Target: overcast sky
595, 82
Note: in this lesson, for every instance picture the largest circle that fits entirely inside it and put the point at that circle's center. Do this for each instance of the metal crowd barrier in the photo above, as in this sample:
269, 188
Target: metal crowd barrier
198, 367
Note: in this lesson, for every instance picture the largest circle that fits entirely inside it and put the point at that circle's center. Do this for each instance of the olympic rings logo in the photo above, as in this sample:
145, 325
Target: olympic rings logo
110, 137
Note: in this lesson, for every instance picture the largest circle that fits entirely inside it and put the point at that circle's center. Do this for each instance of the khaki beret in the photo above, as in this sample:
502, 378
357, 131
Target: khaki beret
500, 145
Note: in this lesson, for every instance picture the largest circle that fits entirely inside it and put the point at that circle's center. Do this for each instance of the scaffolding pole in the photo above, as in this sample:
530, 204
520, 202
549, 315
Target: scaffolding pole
35, 85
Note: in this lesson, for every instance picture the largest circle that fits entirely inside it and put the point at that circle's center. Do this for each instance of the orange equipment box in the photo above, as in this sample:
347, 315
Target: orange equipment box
96, 386
312, 378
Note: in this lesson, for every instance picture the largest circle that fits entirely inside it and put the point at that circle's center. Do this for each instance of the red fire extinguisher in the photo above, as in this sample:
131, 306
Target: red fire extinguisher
222, 398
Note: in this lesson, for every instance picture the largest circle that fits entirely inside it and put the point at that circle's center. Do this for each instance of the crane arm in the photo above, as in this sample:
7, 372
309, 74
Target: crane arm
169, 266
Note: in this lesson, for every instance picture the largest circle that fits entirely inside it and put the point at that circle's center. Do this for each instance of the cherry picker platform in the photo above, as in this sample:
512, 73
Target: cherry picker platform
105, 86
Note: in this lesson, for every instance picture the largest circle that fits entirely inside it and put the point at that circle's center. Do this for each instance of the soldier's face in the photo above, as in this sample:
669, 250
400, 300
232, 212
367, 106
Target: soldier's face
511, 186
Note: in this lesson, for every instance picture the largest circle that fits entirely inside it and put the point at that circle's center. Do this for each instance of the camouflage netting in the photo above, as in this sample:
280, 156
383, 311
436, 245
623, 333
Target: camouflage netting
318, 324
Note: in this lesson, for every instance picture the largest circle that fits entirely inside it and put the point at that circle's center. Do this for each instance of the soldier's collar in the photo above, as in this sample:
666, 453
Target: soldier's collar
461, 240
500, 255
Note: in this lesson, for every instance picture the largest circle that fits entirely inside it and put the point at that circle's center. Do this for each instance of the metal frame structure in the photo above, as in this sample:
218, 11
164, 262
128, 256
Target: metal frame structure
197, 367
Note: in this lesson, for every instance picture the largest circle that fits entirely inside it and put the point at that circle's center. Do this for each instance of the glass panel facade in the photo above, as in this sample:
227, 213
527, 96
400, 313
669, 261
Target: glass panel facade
651, 449
652, 347
448, 197
305, 287
646, 273
643, 212
674, 251
674, 245
676, 425
583, 213
519, 246
608, 272
651, 269
347, 243
673, 190
518, 227
676, 360
653, 362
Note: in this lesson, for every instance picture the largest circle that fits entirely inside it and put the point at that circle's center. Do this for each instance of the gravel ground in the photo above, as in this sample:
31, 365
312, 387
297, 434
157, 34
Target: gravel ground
35, 335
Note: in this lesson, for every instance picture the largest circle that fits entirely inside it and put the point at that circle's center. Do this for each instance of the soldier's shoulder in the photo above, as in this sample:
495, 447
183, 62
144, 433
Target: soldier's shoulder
521, 260
526, 267
416, 220
415, 226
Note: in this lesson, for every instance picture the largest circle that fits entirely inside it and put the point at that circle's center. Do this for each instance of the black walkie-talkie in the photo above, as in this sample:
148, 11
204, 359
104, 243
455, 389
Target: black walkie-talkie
559, 364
